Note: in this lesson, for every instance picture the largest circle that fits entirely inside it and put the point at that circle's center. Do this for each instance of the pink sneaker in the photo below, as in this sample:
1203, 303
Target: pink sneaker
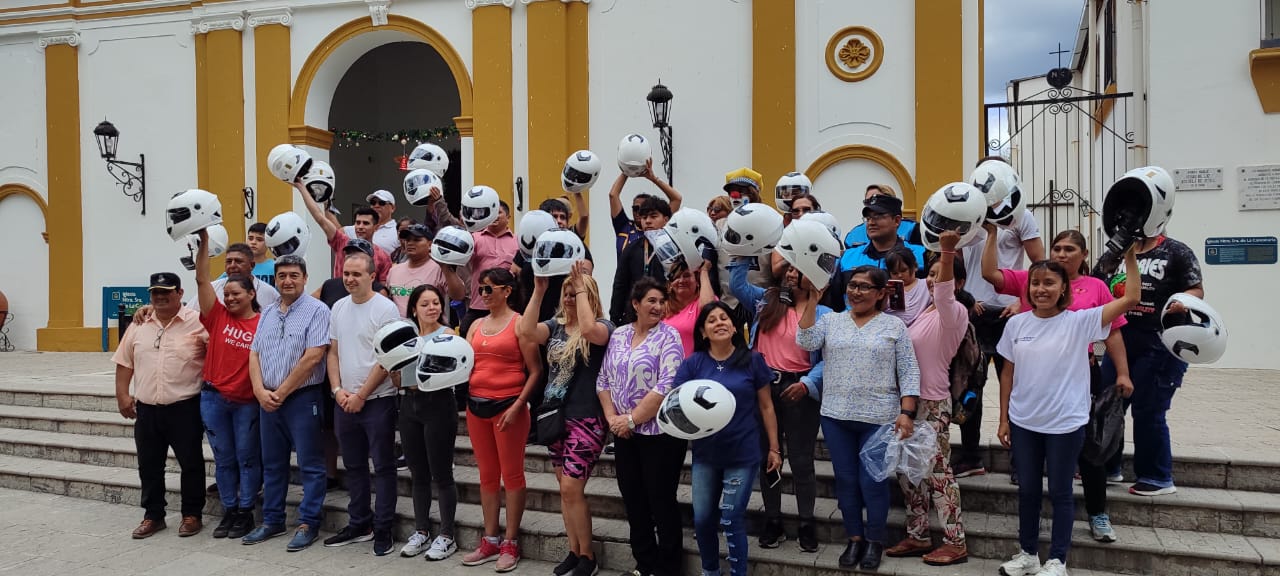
509, 557
486, 552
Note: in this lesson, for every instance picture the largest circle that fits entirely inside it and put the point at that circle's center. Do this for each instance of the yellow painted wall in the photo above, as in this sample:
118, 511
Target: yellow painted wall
271, 104
491, 81
773, 90
939, 78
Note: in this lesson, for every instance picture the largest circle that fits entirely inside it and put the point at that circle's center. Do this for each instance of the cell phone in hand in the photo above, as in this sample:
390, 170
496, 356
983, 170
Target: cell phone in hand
774, 478
897, 295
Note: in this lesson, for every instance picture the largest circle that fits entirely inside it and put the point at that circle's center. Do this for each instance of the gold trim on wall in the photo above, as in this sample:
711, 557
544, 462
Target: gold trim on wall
271, 109
939, 86
311, 136
465, 126
865, 152
225, 88
493, 146
546, 54
852, 52
773, 103
1264, 70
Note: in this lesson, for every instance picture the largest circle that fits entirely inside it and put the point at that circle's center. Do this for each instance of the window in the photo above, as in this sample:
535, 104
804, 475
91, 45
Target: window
1109, 55
1270, 13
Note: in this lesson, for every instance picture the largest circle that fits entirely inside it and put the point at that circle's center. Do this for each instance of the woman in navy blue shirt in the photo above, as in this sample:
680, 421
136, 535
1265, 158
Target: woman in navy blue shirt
725, 463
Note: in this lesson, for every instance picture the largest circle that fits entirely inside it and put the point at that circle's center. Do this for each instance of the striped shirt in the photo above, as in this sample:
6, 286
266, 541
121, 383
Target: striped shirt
868, 369
283, 336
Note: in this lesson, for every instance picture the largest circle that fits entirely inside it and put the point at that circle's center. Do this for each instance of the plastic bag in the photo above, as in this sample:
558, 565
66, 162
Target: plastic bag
880, 454
918, 453
1104, 434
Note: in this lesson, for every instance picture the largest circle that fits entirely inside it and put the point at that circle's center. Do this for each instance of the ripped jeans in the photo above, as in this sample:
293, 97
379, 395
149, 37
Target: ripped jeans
720, 497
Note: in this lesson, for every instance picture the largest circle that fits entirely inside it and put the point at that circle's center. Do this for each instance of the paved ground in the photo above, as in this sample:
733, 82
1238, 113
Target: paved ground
50, 535
1217, 412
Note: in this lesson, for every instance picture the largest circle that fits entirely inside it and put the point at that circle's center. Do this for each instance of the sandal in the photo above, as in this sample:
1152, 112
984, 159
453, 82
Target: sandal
947, 555
909, 547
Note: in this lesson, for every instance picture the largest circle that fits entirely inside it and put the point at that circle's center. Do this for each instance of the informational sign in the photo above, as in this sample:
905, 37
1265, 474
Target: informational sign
1197, 179
1260, 187
112, 297
1240, 250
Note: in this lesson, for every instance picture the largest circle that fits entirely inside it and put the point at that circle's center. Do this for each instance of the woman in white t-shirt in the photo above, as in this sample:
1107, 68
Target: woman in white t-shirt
1044, 402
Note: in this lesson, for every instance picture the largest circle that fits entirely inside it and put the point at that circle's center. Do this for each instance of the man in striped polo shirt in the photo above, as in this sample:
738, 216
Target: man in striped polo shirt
285, 365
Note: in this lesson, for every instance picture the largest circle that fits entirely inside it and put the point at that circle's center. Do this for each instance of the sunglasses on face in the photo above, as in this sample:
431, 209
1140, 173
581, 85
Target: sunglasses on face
377, 203
486, 289
800, 211
715, 209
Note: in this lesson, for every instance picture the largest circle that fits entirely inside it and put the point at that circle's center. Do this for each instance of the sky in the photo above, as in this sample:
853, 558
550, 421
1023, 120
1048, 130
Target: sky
1019, 36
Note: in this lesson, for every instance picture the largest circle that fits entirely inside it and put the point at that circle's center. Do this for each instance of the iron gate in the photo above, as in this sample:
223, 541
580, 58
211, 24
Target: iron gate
1068, 145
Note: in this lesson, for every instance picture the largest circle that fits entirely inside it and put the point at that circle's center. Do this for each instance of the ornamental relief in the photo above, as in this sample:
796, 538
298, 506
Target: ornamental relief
854, 53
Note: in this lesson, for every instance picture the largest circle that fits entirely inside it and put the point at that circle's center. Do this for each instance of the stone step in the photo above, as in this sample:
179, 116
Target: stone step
88, 422
1148, 551
93, 392
1202, 509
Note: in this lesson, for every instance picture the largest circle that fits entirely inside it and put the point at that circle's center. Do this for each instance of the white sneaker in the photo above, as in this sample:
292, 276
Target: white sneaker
416, 545
1053, 568
1022, 564
443, 547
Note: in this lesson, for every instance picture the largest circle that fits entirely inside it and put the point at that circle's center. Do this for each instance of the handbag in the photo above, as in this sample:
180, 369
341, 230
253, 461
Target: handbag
1104, 434
548, 422
488, 407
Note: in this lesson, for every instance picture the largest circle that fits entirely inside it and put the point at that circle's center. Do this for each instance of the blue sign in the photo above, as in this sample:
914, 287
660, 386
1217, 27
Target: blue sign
1240, 250
112, 297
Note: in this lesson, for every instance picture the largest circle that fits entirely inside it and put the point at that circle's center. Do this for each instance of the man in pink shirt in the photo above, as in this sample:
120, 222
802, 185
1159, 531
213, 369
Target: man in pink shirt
420, 268
495, 248
365, 220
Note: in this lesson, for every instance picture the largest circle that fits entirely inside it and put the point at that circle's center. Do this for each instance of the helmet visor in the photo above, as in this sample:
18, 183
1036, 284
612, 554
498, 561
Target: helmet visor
675, 416
576, 176
475, 214
829, 263
732, 236
552, 250
452, 243
936, 221
431, 364
288, 247
177, 215
788, 192
396, 338
1005, 208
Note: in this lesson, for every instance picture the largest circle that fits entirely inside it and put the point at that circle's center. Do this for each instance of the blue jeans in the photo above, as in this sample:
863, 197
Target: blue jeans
232, 429
371, 432
855, 490
294, 426
1034, 452
720, 497
1156, 376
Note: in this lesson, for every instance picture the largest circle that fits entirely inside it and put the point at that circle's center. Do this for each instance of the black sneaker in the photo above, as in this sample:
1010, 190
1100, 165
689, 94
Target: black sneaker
243, 524
349, 535
382, 543
211, 489
1145, 489
567, 565
228, 518
808, 538
609, 448
402, 463
586, 567
773, 536
332, 483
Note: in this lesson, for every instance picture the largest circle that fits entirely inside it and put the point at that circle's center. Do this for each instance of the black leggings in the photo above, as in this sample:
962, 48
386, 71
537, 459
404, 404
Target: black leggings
428, 428
1093, 477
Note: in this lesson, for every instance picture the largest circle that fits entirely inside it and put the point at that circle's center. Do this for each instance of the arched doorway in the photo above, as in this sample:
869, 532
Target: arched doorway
26, 259
382, 101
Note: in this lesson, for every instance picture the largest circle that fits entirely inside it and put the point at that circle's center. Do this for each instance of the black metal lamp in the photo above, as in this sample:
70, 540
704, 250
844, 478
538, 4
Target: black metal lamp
660, 109
132, 176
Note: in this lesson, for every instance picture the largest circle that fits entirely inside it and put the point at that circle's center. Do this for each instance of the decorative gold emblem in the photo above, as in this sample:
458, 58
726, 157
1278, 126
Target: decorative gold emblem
854, 53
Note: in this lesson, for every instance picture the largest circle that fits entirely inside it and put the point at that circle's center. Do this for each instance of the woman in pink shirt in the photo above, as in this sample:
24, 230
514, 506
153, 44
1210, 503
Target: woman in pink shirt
936, 335
690, 290
1069, 250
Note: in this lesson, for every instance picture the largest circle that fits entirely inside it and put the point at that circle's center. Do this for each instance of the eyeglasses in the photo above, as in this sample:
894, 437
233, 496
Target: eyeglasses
715, 209
876, 216
486, 289
800, 211
377, 203
863, 288
159, 335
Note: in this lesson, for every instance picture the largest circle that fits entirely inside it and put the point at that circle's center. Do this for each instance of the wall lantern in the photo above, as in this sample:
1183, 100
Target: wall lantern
660, 109
132, 176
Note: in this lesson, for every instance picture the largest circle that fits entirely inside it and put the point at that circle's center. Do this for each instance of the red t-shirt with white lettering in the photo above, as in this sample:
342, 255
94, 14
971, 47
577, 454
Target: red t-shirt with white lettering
226, 363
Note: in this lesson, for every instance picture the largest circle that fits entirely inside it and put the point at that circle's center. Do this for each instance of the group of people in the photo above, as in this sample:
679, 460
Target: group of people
247, 362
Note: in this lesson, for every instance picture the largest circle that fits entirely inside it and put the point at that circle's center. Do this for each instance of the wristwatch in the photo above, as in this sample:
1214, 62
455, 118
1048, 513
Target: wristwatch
335, 390
909, 413
631, 422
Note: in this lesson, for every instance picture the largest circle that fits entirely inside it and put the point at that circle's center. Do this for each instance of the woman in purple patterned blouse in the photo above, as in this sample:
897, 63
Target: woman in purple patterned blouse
638, 369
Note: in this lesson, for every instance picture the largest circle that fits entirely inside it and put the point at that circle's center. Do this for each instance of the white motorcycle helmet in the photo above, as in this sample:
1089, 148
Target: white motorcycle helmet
287, 233
218, 241
1197, 337
191, 211
445, 361
696, 409
788, 186
751, 230
419, 184
1138, 205
479, 207
826, 219
580, 171
634, 154
809, 247
666, 251
695, 233
396, 345
958, 207
531, 226
452, 245
288, 162
556, 252
428, 156
1002, 190
320, 181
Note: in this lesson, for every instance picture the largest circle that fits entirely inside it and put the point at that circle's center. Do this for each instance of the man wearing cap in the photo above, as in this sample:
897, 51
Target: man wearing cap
163, 357
338, 239
285, 368
882, 215
419, 268
907, 229
742, 186
383, 232
629, 230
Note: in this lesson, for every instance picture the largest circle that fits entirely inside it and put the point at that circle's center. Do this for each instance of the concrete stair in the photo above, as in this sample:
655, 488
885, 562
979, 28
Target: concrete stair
67, 439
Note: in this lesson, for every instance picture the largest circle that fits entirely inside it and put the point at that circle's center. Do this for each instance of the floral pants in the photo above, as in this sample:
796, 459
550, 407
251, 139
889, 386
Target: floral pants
940, 486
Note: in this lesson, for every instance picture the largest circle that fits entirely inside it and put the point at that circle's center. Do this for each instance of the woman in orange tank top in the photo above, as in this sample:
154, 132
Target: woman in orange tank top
506, 371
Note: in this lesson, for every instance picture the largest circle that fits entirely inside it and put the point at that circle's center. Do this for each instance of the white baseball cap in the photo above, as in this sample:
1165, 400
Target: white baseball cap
382, 195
